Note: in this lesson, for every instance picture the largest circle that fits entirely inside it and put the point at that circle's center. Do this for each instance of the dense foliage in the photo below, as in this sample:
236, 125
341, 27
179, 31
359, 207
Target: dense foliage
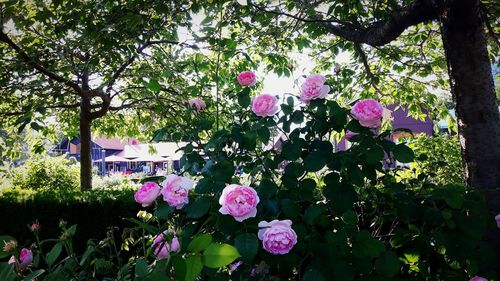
438, 157
93, 211
351, 219
46, 172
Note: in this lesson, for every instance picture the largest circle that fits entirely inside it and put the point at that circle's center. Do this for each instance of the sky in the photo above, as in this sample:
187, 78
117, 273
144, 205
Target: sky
271, 82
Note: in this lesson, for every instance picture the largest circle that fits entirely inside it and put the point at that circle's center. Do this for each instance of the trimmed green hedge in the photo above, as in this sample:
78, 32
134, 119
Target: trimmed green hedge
93, 211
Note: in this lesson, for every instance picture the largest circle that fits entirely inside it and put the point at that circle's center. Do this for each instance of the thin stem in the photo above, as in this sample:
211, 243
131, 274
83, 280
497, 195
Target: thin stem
217, 71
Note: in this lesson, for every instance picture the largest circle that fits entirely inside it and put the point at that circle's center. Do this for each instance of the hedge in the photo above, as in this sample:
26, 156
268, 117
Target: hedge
93, 211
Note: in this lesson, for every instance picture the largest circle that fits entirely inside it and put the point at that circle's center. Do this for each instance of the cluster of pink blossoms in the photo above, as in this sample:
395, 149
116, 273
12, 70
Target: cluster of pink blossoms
239, 201
174, 190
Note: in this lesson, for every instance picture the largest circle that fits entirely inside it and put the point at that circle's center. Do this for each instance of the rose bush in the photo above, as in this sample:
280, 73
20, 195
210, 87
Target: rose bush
305, 211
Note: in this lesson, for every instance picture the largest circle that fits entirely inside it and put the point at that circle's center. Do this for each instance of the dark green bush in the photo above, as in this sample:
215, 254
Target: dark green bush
93, 211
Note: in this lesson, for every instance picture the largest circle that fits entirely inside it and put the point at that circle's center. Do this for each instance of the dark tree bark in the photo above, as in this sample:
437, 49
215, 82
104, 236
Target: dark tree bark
85, 146
473, 92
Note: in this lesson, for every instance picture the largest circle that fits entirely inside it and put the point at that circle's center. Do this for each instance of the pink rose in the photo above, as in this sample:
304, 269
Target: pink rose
34, 227
198, 104
348, 135
278, 237
246, 78
175, 190
265, 105
161, 247
147, 194
25, 259
497, 219
239, 201
477, 278
314, 88
368, 112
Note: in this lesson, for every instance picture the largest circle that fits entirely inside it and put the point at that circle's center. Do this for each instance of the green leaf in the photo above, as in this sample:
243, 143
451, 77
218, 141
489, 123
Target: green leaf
207, 20
7, 272
198, 208
151, 229
294, 170
224, 171
454, 200
4, 239
315, 161
297, 117
244, 98
87, 254
180, 267
247, 245
54, 254
264, 135
290, 208
387, 264
291, 150
403, 153
366, 245
154, 85
374, 155
341, 197
350, 217
163, 211
200, 242
35, 126
141, 268
218, 255
71, 231
412, 256
313, 275
194, 266
314, 213
33, 275
157, 276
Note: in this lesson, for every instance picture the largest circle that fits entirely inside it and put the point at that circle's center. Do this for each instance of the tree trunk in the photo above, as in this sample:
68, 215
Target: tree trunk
473, 91
85, 145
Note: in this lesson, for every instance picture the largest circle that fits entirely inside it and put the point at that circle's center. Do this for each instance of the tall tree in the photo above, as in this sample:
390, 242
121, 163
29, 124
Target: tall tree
83, 57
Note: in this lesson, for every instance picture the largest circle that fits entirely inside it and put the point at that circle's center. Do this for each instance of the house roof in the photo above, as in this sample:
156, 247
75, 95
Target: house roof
152, 152
113, 143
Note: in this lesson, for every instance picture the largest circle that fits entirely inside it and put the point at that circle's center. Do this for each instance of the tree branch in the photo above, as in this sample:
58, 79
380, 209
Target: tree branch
104, 106
130, 60
382, 32
369, 73
37, 66
65, 106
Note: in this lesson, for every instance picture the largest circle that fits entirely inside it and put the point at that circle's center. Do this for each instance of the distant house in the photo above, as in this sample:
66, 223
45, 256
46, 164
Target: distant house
127, 156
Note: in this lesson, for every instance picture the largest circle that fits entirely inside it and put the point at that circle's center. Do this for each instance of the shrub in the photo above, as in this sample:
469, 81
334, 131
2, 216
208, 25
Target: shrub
93, 211
439, 159
114, 181
326, 216
47, 172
